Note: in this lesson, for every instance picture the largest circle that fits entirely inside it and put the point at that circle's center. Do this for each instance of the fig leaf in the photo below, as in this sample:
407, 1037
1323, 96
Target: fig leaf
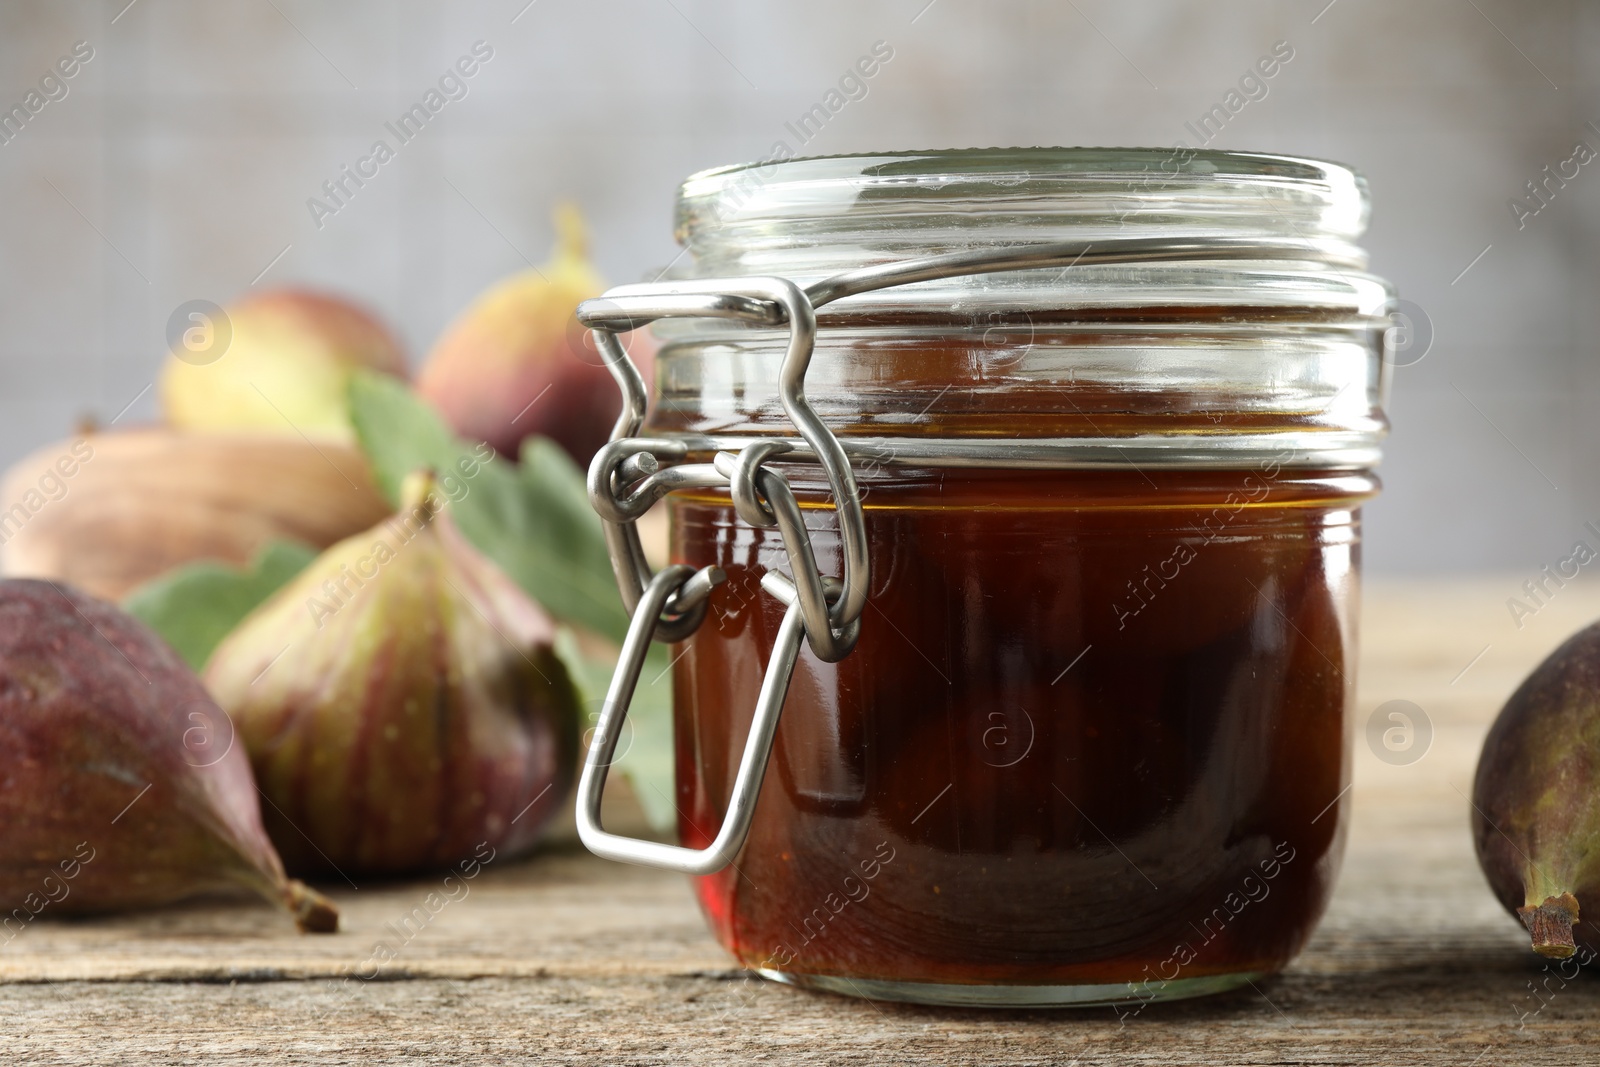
533, 519
644, 752
195, 606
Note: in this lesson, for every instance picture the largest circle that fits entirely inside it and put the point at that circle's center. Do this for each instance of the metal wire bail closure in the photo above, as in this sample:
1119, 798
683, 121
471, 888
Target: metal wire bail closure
831, 628
632, 473
752, 766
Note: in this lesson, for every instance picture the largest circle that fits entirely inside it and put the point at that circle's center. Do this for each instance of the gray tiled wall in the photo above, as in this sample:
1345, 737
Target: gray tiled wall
179, 163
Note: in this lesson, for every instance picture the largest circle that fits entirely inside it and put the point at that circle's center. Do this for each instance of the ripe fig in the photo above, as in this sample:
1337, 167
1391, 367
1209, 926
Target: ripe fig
121, 787
112, 511
1536, 801
517, 362
278, 361
401, 701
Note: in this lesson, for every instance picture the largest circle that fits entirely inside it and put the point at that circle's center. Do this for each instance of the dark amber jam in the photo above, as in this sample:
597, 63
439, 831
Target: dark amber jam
1093, 732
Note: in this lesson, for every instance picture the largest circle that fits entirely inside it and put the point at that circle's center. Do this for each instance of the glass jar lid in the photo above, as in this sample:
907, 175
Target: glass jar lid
806, 219
1192, 360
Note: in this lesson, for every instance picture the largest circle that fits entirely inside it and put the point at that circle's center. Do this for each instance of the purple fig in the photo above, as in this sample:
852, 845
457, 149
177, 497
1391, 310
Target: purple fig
1536, 801
121, 786
401, 701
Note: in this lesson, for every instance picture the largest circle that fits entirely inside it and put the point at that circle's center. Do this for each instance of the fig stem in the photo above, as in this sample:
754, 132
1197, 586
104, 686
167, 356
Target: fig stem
313, 913
418, 501
1550, 925
572, 236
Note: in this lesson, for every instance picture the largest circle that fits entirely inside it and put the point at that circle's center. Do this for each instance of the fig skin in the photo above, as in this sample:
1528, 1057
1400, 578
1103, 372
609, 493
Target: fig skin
121, 787
284, 371
401, 702
1536, 801
517, 362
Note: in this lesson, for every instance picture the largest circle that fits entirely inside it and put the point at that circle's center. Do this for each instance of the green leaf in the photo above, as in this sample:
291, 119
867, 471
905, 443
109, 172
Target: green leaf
400, 433
649, 761
532, 519
195, 606
645, 751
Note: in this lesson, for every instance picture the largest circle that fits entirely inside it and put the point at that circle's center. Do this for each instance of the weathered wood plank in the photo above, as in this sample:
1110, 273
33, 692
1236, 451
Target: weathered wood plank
565, 959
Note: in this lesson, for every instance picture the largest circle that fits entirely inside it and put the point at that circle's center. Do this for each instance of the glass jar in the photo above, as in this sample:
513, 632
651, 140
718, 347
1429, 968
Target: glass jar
1107, 418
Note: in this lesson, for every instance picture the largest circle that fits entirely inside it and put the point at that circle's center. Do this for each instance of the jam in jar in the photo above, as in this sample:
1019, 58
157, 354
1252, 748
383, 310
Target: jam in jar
1087, 741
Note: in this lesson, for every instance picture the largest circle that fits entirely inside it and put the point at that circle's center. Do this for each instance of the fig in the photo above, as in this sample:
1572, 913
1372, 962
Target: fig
518, 363
279, 360
111, 511
122, 787
1536, 800
401, 701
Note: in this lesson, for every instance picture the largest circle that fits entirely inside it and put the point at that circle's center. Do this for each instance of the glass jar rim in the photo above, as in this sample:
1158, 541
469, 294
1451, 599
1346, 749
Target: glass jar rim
825, 197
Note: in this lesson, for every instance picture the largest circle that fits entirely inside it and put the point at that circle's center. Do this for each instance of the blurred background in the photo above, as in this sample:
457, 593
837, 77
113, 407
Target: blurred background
178, 161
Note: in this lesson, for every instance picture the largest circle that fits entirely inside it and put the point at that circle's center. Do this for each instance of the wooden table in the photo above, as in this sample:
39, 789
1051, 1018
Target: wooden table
566, 959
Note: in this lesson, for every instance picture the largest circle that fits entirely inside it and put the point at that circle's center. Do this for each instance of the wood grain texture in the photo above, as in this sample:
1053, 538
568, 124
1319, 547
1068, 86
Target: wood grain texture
566, 959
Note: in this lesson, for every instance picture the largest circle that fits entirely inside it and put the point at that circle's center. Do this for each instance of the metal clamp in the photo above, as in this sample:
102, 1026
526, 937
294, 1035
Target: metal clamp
620, 500
632, 473
752, 766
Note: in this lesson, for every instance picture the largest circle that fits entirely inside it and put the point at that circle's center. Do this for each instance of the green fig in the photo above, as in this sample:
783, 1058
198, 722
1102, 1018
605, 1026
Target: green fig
1536, 801
276, 361
121, 786
401, 701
